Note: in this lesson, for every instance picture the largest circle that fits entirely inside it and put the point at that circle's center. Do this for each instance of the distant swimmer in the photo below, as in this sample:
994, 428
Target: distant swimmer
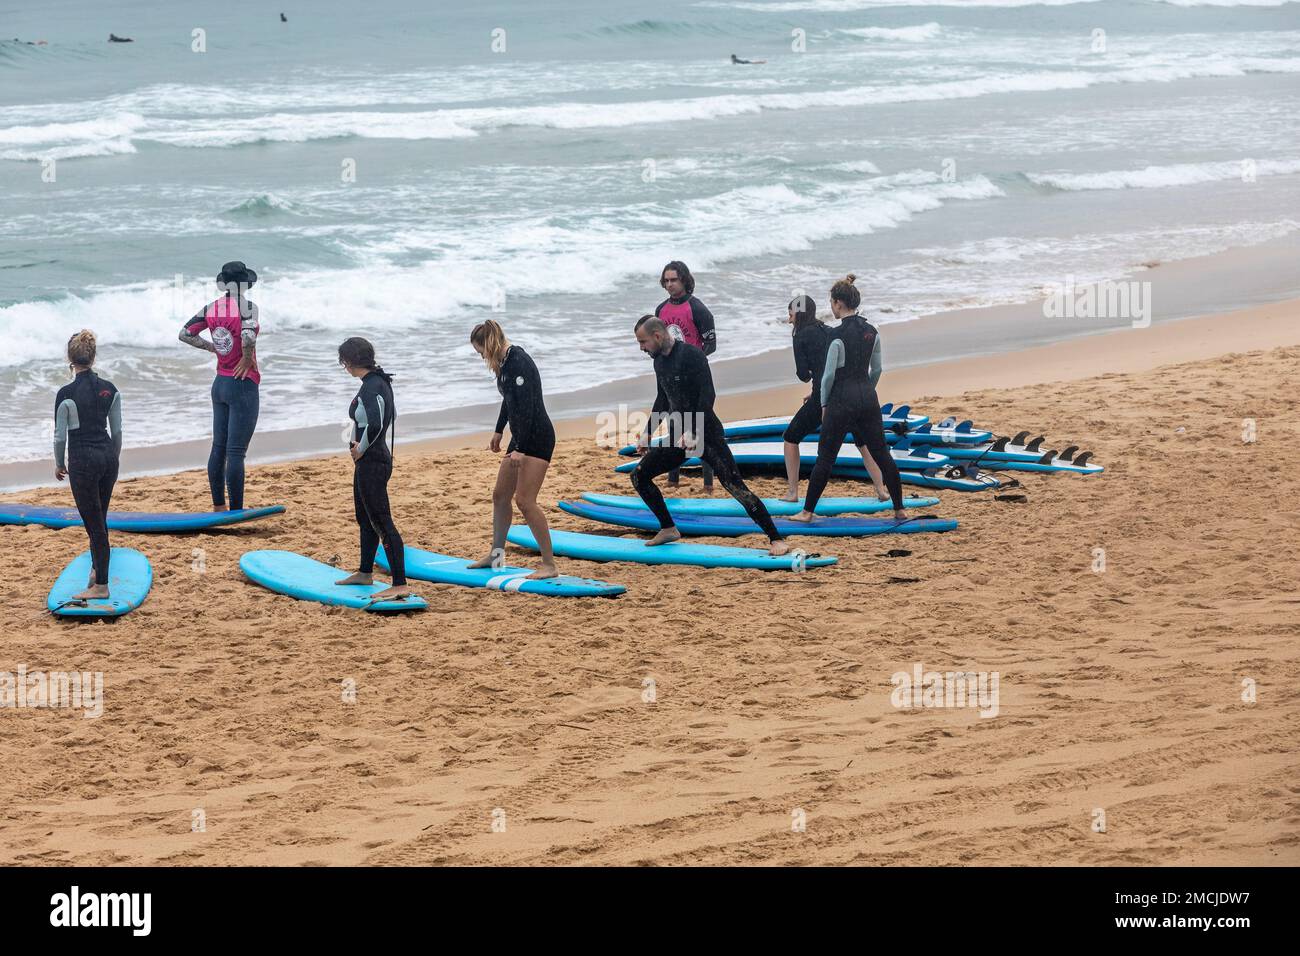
283, 18
114, 38
737, 60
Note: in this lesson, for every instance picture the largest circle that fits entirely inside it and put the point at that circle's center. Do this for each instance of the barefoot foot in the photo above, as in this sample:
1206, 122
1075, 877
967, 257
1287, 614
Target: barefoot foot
804, 516
664, 536
546, 569
778, 548
96, 592
358, 578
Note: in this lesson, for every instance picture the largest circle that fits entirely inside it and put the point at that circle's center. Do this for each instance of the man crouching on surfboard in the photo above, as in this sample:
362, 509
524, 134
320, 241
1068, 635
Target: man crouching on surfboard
686, 395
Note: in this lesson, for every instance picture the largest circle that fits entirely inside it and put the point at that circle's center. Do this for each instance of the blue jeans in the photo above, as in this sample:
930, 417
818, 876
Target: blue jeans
234, 416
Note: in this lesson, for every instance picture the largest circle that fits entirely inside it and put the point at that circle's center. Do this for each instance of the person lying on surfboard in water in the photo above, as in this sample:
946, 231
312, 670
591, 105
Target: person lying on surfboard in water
85, 411
685, 395
848, 400
532, 442
373, 414
811, 340
737, 61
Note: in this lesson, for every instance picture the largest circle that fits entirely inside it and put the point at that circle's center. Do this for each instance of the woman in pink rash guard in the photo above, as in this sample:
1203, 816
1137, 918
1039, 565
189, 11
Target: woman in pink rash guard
232, 322
689, 320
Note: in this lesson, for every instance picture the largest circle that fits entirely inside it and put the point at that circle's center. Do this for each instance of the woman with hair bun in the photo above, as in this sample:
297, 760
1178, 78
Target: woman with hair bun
848, 399
811, 340
86, 410
532, 442
373, 414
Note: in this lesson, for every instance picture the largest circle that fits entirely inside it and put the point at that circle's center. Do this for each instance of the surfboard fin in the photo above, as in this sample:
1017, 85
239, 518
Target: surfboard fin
1020, 438
1036, 443
1082, 459
1069, 452
1001, 444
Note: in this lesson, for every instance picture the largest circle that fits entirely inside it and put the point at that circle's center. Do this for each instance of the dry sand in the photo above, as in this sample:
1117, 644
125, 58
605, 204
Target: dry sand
1120, 691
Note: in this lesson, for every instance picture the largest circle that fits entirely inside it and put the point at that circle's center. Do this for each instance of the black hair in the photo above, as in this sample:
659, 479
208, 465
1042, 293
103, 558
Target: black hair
359, 353
805, 311
683, 273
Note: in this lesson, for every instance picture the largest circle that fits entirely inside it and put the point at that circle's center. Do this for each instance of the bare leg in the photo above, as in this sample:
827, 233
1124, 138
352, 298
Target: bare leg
877, 479
532, 472
502, 492
792, 471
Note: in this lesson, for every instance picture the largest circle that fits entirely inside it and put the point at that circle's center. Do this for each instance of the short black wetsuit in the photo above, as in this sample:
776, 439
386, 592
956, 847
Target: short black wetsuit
686, 391
522, 405
373, 413
810, 344
84, 410
852, 406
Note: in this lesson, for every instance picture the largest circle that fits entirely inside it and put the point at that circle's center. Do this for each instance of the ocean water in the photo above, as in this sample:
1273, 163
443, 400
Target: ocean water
952, 154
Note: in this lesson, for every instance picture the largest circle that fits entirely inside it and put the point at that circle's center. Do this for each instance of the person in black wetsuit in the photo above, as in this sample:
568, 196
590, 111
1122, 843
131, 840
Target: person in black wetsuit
85, 411
811, 340
686, 394
532, 442
848, 398
688, 319
373, 412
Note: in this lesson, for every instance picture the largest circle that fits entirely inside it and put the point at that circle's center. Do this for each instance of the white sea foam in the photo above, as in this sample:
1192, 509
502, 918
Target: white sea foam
1159, 177
915, 34
465, 267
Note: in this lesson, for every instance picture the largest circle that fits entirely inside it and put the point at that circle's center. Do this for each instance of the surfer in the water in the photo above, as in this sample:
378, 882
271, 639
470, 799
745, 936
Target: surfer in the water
85, 412
737, 61
114, 38
233, 323
848, 399
689, 320
811, 340
532, 442
373, 414
685, 395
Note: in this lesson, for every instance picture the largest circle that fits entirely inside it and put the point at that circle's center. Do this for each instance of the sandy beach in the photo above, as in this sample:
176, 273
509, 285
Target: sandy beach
697, 718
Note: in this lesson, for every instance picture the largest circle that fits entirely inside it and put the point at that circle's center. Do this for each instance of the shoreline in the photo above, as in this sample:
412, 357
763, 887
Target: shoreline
926, 359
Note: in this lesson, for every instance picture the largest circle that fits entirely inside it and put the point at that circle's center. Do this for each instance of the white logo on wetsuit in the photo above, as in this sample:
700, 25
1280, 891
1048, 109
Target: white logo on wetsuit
676, 332
222, 340
519, 380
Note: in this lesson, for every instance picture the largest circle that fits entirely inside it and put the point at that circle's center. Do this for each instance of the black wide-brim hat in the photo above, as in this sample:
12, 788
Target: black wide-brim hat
238, 273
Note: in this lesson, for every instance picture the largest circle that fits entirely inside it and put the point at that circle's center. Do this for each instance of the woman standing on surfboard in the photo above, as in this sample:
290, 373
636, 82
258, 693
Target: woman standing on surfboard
848, 399
532, 442
232, 321
373, 413
85, 411
811, 340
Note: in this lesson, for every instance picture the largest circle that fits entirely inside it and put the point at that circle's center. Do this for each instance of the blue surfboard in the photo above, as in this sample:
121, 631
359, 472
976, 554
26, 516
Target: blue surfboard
142, 522
599, 547
430, 566
770, 454
129, 580
730, 507
773, 427
706, 525
307, 579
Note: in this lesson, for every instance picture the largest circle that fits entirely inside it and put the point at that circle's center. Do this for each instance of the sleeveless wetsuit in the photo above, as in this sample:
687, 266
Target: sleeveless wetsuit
523, 407
686, 392
373, 413
849, 396
84, 412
